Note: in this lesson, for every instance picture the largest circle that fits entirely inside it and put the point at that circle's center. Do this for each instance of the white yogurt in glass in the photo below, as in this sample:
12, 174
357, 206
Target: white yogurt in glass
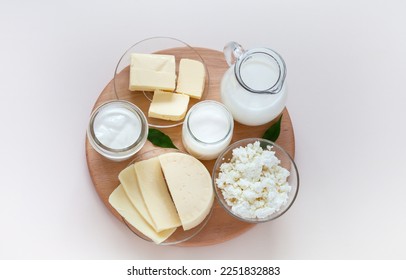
207, 129
117, 127
117, 130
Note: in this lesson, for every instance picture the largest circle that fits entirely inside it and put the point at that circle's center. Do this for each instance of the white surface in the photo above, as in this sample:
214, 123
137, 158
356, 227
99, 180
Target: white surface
346, 65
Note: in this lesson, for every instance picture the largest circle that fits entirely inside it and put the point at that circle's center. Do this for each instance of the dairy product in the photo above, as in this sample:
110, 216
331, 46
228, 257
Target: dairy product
155, 194
129, 182
190, 186
117, 127
147, 80
156, 62
168, 106
253, 183
192, 77
152, 71
207, 130
248, 107
119, 201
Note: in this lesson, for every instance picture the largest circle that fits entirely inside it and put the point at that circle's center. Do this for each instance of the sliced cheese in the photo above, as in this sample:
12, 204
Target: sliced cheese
192, 77
152, 71
190, 185
156, 195
119, 201
168, 106
128, 180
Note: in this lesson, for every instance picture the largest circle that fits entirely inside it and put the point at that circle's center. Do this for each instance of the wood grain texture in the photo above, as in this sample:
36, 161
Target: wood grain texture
221, 227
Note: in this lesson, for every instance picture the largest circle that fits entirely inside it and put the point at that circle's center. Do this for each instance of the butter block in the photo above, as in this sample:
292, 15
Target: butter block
155, 62
190, 186
156, 195
128, 180
119, 201
168, 106
152, 71
192, 78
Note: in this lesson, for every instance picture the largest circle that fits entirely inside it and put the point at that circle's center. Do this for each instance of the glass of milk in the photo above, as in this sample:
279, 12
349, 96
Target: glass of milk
117, 130
254, 87
207, 129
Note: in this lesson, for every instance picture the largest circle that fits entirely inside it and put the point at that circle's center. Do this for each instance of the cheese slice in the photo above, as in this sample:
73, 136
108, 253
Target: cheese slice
190, 185
168, 106
128, 180
156, 195
152, 71
119, 201
192, 77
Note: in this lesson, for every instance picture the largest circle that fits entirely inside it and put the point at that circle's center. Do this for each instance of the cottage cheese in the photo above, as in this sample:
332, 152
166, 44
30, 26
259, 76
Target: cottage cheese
253, 183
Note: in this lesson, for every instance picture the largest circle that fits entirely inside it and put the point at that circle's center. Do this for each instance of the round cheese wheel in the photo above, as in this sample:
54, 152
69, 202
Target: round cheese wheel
190, 186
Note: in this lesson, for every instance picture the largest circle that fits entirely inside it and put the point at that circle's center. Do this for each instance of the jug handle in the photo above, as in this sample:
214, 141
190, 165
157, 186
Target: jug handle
232, 51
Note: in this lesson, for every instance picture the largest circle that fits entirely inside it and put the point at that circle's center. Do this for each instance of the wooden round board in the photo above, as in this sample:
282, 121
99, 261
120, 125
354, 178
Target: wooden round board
221, 227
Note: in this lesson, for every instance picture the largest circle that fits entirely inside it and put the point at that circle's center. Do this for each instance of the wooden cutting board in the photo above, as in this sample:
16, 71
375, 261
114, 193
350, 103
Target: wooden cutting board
221, 226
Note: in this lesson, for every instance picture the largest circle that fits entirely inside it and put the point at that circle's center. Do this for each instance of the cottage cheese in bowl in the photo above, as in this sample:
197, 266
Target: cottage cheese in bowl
255, 180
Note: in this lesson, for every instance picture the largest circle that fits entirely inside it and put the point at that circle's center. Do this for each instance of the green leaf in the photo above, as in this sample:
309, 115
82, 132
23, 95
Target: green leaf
160, 139
273, 132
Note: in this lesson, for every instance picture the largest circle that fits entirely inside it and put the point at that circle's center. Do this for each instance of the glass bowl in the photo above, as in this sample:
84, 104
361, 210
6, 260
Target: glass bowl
119, 120
238, 190
179, 235
154, 45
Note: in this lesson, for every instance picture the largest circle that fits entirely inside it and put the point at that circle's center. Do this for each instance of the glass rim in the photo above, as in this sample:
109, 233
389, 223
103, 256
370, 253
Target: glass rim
131, 107
278, 60
227, 114
221, 200
194, 50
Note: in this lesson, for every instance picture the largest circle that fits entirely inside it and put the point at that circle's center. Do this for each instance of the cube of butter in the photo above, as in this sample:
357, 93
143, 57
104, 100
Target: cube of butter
192, 77
168, 106
149, 72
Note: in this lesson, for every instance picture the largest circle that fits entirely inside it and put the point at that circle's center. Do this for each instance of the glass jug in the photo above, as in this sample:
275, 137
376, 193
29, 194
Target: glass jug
254, 87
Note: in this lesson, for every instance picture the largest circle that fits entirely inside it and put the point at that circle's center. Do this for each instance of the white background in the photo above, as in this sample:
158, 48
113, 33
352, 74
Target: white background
346, 73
